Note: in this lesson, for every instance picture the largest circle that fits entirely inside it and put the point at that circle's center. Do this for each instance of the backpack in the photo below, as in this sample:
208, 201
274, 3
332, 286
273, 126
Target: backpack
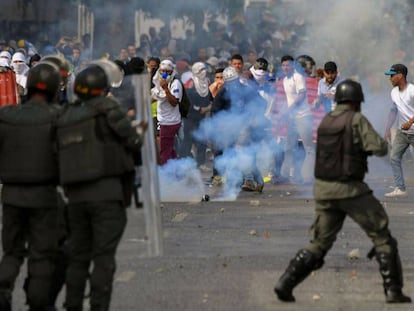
184, 104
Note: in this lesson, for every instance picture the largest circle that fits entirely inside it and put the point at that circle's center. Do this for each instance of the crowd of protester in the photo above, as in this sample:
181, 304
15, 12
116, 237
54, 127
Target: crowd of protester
260, 49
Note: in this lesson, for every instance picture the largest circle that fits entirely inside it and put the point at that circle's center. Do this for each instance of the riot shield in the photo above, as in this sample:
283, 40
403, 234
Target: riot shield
149, 171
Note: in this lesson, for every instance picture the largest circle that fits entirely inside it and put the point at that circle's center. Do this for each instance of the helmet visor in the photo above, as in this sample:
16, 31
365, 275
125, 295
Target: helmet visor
112, 71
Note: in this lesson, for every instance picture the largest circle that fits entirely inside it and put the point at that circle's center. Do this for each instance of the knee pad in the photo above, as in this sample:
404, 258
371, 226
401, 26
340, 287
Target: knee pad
310, 259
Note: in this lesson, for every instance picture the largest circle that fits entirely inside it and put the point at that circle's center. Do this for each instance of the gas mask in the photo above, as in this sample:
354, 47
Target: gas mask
165, 76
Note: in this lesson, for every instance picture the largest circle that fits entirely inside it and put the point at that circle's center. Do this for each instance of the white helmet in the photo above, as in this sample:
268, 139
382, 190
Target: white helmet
230, 74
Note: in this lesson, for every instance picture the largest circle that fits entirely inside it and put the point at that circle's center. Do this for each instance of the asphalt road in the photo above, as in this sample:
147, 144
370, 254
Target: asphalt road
227, 255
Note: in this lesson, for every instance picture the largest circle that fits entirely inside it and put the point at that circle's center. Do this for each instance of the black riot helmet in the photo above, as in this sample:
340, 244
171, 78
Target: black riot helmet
91, 82
349, 91
61, 62
43, 78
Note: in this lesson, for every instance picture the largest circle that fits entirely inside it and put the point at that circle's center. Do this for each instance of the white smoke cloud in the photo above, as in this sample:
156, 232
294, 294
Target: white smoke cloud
180, 181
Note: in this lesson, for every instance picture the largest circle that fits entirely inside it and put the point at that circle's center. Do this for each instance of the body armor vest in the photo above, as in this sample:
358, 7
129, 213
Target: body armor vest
88, 148
27, 134
337, 157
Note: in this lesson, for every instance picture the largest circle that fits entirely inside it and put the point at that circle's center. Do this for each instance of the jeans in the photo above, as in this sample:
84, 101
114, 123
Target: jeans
399, 145
167, 140
190, 126
299, 127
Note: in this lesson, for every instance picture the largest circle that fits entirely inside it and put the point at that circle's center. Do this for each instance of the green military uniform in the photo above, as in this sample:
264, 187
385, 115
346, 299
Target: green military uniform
335, 199
96, 170
345, 140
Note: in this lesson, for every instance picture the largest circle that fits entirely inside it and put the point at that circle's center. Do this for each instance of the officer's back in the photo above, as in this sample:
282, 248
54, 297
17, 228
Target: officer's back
96, 143
29, 173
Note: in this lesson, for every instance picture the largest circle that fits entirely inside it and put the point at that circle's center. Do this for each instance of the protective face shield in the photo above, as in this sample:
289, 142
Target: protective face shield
44, 77
91, 82
61, 62
113, 73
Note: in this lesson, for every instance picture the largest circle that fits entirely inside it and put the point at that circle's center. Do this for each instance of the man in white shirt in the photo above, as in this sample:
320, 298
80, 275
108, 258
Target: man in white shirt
300, 121
402, 110
168, 92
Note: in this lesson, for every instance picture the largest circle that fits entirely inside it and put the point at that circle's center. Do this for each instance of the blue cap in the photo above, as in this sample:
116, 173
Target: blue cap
397, 68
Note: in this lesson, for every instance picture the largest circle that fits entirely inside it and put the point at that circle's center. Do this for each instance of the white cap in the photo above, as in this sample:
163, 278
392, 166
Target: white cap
230, 74
166, 64
213, 61
18, 57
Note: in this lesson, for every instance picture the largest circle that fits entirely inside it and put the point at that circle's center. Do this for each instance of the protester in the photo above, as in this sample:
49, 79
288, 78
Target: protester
402, 96
168, 92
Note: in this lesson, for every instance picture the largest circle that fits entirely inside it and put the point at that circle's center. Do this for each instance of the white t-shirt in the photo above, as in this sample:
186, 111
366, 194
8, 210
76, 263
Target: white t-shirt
166, 113
404, 101
293, 85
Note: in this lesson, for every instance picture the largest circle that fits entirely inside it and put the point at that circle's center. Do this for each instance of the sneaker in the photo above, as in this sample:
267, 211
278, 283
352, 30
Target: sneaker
249, 185
396, 193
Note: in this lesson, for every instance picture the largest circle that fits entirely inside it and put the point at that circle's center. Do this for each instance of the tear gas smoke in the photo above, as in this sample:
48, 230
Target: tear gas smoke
180, 181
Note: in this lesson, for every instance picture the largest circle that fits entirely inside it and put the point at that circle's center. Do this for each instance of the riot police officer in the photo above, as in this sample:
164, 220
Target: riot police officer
340, 191
65, 94
61, 258
96, 143
29, 173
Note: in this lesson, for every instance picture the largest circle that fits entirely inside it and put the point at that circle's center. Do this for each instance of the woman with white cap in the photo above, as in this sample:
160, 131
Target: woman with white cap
168, 92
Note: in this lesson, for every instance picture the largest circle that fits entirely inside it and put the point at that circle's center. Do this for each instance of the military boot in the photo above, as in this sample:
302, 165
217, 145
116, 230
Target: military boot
391, 272
299, 268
